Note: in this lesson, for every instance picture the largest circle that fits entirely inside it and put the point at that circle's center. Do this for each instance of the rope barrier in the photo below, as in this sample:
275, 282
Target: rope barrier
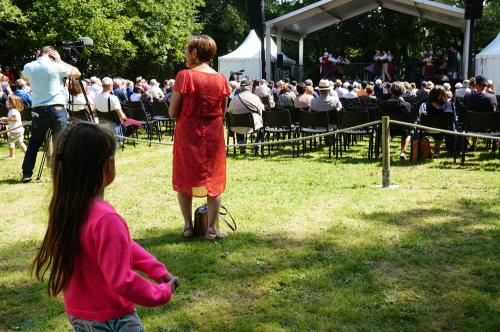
444, 131
291, 140
11, 129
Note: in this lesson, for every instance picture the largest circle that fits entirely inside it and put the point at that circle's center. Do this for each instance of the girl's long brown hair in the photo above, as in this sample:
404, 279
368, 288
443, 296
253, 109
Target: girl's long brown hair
78, 176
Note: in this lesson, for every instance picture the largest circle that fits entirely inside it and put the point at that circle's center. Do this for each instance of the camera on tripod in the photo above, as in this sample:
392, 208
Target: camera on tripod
71, 50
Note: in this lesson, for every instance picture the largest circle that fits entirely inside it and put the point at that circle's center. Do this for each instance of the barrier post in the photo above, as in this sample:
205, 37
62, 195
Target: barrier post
386, 153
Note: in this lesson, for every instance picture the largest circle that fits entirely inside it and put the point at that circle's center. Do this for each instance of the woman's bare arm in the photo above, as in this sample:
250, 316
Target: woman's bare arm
175, 105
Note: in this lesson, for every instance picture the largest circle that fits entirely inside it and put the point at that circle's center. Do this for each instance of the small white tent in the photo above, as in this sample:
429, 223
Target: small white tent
247, 57
488, 61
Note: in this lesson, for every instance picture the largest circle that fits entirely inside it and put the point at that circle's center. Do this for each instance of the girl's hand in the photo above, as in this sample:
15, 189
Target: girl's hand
174, 283
165, 279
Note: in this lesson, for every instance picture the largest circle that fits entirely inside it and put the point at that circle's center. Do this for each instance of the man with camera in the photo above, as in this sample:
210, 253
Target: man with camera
46, 76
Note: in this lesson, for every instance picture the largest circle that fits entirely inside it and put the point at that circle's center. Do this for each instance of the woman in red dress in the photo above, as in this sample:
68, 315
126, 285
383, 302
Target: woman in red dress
198, 103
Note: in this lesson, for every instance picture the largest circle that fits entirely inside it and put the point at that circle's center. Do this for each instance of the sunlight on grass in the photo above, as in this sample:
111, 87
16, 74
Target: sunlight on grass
319, 247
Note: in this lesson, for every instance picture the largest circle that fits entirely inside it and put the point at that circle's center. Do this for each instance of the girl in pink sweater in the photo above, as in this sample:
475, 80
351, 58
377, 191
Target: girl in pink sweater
87, 246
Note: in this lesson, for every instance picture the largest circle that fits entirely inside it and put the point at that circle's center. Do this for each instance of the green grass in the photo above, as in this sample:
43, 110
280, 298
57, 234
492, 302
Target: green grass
319, 247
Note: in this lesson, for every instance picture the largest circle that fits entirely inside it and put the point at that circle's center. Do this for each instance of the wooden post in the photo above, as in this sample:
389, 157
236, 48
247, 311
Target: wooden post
386, 153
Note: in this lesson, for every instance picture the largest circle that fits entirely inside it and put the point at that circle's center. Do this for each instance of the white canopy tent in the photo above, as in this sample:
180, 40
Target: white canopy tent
247, 57
488, 61
298, 24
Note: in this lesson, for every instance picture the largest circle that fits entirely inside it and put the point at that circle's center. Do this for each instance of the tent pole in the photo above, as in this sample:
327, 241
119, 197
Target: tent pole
268, 53
301, 57
466, 49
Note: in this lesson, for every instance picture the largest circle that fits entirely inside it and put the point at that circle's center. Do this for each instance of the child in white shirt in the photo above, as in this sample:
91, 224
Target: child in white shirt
16, 131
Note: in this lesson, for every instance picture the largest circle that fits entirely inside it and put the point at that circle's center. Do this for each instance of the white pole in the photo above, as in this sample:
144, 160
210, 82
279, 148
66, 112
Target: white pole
465, 53
268, 53
301, 57
278, 41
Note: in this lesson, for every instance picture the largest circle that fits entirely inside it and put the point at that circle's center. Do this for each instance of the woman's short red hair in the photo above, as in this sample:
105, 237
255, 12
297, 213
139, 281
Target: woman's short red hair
204, 45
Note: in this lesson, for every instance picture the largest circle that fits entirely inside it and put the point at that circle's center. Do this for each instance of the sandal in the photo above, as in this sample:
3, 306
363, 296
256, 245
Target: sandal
213, 234
188, 232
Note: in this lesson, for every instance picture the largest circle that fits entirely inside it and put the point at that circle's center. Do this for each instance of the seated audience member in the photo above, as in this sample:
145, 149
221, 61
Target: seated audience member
350, 93
247, 102
107, 102
264, 93
309, 83
490, 88
480, 101
170, 91
437, 103
447, 88
463, 90
78, 102
287, 97
340, 89
21, 93
325, 101
362, 91
155, 90
414, 89
458, 86
146, 97
386, 92
310, 91
118, 90
423, 93
3, 96
396, 104
136, 93
95, 85
378, 89
235, 88
302, 100
129, 89
369, 94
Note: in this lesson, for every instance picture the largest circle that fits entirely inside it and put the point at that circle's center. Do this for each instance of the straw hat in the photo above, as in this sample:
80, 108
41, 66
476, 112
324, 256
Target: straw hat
324, 85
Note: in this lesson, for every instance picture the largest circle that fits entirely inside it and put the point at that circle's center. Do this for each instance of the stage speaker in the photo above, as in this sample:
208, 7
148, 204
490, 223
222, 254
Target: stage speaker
473, 9
279, 60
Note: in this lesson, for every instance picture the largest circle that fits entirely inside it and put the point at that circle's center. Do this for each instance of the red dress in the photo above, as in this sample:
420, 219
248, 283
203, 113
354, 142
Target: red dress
199, 163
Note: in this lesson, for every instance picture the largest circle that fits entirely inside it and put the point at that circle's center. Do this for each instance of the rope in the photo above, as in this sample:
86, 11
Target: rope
291, 140
27, 123
444, 131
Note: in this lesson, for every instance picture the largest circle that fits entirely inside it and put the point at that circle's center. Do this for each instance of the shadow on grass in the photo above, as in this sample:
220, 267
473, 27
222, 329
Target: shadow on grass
440, 271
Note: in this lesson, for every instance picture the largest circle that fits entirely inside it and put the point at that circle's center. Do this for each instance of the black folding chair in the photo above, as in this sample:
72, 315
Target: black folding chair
135, 110
278, 124
159, 113
352, 119
486, 123
313, 123
244, 120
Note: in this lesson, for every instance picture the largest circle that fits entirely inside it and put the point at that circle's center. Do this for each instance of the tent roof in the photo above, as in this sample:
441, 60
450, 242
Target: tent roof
492, 50
325, 13
250, 49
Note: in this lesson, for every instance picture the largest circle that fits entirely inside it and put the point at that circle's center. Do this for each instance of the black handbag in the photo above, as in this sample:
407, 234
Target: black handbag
201, 220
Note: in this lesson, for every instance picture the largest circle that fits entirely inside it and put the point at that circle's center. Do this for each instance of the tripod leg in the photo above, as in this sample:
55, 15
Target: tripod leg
48, 139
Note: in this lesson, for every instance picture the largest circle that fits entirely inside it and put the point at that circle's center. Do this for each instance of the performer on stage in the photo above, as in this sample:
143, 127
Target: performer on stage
341, 63
428, 65
454, 60
327, 67
385, 58
378, 63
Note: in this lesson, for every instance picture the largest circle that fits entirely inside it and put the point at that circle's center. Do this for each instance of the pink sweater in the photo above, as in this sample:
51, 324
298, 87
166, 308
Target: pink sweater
104, 284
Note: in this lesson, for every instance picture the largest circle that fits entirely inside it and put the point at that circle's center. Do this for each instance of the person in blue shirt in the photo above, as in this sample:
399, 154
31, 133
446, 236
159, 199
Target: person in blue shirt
20, 92
46, 76
118, 90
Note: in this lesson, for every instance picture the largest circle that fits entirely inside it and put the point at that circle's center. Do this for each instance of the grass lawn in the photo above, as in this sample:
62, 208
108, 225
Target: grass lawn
319, 247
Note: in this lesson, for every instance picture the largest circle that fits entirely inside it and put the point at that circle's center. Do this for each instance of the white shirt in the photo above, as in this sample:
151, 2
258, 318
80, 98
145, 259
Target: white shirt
156, 92
460, 93
240, 104
46, 81
13, 113
350, 95
96, 89
101, 102
135, 96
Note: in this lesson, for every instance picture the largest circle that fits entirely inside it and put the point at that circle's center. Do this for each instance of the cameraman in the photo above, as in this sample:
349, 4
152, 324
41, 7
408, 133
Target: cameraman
46, 76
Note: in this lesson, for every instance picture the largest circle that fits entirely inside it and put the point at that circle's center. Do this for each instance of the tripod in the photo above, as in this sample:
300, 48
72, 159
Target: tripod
46, 146
86, 113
